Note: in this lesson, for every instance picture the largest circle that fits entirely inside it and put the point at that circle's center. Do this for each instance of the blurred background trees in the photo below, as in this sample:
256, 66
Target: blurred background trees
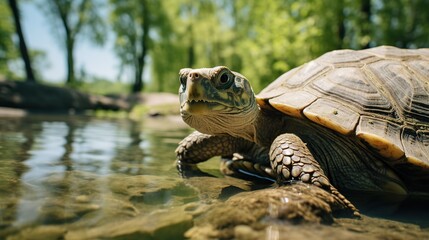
8, 52
261, 39
21, 40
75, 18
136, 24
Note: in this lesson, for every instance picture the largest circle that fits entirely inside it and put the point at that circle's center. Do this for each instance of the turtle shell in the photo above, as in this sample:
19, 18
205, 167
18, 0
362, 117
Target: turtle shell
380, 95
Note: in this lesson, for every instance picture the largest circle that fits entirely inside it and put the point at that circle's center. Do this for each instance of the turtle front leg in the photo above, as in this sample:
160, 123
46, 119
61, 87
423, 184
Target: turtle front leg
291, 160
199, 147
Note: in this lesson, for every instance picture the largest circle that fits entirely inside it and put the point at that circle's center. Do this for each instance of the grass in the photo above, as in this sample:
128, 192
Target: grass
103, 87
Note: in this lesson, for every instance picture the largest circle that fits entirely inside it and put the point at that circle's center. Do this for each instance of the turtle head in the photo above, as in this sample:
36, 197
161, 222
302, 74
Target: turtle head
216, 100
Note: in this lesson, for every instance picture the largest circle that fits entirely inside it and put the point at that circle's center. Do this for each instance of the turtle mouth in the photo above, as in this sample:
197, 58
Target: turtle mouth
201, 106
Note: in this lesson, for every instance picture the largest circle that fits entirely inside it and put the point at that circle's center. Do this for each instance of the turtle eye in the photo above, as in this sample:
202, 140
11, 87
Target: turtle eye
225, 80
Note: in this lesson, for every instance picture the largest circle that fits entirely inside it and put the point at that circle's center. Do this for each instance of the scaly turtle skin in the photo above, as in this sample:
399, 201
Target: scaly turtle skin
355, 120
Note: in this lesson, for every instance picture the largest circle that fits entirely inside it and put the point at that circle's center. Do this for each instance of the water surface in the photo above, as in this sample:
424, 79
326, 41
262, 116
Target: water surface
70, 169
78, 177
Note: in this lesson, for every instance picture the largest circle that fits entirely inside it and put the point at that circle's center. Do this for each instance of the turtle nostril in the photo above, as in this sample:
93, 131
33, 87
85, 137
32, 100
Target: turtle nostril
194, 75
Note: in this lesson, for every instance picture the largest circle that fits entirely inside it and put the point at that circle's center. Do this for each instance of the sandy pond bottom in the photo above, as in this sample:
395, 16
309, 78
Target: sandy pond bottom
65, 177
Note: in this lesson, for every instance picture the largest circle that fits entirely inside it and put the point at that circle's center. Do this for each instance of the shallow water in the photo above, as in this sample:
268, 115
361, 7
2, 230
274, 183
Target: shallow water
51, 164
78, 177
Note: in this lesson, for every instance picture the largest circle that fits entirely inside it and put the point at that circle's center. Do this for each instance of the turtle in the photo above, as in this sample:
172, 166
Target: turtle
349, 120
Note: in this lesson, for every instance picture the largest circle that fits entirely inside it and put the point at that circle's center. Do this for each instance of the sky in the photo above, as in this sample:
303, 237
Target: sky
97, 61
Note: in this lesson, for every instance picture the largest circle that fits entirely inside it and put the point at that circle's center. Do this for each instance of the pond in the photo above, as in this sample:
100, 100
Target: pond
79, 177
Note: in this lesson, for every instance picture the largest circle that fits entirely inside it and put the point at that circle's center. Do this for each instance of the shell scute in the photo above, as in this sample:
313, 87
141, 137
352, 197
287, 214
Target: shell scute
333, 115
381, 95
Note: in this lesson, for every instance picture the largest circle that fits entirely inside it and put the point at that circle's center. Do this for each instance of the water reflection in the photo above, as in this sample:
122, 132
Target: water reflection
57, 169
68, 176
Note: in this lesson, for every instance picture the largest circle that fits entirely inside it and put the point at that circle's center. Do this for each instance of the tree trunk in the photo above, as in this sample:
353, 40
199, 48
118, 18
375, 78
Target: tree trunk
138, 83
191, 50
69, 41
70, 60
341, 25
366, 21
22, 45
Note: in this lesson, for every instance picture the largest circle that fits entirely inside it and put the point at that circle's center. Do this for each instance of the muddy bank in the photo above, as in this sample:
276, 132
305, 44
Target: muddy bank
42, 98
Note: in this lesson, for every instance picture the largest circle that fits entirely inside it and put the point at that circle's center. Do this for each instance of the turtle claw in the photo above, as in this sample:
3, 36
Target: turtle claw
345, 201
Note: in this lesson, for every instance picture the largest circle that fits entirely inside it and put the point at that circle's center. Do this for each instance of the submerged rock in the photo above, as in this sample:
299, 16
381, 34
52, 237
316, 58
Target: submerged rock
297, 211
46, 232
164, 224
212, 188
89, 206
296, 203
134, 186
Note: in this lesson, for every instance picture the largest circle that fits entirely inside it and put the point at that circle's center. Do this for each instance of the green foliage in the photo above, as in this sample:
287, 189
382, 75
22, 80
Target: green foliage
80, 17
402, 23
261, 39
102, 87
8, 51
137, 25
71, 19
39, 62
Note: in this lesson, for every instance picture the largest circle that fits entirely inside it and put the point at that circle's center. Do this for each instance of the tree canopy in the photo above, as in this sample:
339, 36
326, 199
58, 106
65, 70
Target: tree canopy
133, 21
75, 17
8, 52
21, 39
261, 39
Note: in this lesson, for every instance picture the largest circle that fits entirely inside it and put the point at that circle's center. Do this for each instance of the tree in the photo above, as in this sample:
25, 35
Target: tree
185, 30
7, 49
365, 10
74, 18
22, 45
135, 22
402, 23
261, 39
